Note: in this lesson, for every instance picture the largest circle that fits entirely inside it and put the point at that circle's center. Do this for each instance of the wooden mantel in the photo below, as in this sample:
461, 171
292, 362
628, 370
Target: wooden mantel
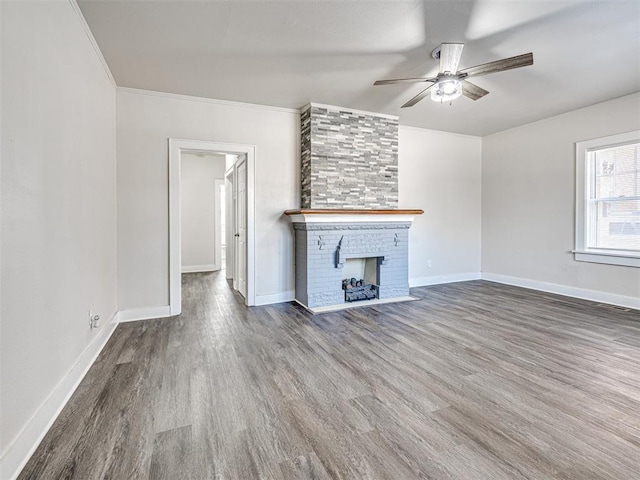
342, 215
343, 211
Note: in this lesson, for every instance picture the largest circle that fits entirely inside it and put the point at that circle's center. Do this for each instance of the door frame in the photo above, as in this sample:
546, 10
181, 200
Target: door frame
176, 147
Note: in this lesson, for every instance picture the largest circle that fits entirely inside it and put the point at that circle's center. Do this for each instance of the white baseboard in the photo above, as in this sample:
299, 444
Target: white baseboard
135, 314
16, 455
593, 295
199, 268
275, 298
438, 279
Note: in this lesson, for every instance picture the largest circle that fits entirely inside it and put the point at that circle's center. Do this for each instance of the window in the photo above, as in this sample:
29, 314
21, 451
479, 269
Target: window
608, 200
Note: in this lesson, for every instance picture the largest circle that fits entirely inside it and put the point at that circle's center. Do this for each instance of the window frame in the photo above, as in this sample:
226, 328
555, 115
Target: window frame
583, 253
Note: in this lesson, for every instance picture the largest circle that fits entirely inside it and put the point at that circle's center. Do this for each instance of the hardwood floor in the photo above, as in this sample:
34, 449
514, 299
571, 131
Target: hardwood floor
475, 381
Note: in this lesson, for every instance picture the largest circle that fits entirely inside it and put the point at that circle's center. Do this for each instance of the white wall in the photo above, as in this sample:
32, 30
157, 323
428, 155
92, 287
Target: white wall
58, 240
198, 204
441, 173
145, 121
528, 199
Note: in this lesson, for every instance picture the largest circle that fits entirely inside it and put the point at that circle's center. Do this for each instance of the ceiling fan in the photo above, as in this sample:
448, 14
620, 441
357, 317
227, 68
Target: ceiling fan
450, 83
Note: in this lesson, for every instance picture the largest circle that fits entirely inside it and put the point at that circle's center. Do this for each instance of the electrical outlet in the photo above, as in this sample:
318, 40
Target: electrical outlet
429, 264
94, 320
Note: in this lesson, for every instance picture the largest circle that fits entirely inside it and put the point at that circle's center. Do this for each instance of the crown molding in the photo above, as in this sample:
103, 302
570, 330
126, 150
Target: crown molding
444, 132
190, 98
92, 40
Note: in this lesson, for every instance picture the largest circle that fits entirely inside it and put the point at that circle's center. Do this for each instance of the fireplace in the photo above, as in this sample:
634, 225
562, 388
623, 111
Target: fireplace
360, 279
335, 245
349, 199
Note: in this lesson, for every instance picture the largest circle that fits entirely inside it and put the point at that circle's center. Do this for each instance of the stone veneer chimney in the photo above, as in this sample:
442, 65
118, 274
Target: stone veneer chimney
349, 159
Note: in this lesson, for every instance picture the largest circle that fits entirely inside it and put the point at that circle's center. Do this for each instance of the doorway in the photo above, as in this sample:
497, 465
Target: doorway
238, 187
201, 180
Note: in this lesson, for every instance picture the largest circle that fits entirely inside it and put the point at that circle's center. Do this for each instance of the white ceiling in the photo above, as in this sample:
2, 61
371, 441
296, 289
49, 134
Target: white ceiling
289, 53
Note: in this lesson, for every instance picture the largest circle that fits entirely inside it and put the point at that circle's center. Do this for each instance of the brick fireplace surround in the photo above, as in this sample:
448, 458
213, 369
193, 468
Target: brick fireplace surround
325, 238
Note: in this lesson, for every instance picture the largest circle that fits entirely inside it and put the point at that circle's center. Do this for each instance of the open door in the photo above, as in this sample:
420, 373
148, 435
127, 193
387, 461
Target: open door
240, 270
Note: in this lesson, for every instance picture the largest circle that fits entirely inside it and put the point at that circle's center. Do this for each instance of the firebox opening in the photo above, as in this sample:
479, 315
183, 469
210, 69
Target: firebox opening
360, 279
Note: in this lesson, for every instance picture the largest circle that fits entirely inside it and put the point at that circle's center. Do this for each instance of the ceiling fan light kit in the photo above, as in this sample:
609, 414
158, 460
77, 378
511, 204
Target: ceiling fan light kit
446, 89
451, 83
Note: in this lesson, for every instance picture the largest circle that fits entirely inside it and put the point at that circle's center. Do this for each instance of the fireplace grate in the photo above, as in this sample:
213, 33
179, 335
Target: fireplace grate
355, 291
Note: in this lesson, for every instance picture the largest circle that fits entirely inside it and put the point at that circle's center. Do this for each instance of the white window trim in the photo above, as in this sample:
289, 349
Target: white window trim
581, 252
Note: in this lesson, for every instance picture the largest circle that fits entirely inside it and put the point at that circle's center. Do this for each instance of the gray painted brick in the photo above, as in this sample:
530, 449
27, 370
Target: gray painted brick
322, 280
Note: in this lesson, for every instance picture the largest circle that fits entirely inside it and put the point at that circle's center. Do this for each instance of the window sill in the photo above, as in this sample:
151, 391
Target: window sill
604, 256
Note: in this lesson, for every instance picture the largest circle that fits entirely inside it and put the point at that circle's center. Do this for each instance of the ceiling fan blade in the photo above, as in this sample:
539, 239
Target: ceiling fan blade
404, 80
498, 66
417, 98
450, 54
472, 91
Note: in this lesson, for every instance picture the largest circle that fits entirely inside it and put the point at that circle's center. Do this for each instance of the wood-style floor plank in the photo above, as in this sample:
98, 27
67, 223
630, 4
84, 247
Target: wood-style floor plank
476, 380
